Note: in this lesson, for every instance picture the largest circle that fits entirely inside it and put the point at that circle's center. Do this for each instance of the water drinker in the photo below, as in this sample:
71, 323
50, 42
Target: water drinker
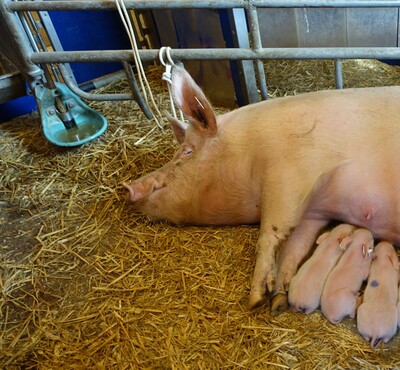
66, 120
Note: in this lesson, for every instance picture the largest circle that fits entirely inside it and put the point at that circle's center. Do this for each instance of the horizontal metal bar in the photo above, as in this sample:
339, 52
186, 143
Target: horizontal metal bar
324, 3
214, 54
89, 96
191, 4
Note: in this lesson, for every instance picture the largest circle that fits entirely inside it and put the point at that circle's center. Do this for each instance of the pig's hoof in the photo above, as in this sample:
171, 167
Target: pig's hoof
256, 299
279, 304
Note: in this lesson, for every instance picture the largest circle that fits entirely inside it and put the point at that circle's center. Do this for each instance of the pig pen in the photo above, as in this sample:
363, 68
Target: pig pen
88, 284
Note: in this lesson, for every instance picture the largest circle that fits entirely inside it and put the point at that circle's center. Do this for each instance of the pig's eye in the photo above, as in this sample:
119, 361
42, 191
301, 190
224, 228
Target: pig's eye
187, 150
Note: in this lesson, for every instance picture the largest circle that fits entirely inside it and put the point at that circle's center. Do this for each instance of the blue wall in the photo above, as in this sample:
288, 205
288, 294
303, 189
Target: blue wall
79, 30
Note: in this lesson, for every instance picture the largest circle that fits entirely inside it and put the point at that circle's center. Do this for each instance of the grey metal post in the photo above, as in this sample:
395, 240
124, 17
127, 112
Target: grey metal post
338, 74
256, 38
15, 45
244, 78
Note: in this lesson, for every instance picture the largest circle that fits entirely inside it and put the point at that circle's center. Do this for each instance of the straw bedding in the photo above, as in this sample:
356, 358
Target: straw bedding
87, 283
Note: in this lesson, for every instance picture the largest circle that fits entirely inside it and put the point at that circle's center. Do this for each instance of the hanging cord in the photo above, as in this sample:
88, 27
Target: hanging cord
164, 56
144, 84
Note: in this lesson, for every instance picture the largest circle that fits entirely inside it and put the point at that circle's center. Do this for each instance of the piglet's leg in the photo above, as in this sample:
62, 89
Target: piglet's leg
292, 253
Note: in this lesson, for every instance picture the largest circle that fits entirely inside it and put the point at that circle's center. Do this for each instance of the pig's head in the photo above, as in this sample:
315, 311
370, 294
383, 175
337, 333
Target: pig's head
166, 192
192, 187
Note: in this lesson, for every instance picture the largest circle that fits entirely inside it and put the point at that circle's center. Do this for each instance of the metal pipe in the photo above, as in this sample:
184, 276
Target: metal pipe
37, 36
51, 33
214, 54
338, 74
99, 82
17, 47
199, 4
38, 45
98, 97
26, 22
257, 46
135, 90
29, 34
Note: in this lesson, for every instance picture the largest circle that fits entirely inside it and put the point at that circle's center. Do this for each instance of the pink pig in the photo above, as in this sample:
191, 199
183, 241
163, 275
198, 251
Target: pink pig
377, 316
293, 164
339, 296
306, 286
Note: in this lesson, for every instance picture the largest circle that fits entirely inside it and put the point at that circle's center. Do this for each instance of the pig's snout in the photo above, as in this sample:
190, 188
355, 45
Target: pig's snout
130, 195
141, 189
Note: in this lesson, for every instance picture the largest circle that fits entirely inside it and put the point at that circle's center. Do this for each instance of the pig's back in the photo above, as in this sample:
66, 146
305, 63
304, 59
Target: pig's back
352, 136
330, 110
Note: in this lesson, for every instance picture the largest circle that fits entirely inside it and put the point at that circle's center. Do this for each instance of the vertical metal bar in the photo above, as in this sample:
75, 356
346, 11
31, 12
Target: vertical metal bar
54, 40
256, 39
29, 28
28, 31
38, 43
38, 37
135, 90
15, 45
234, 29
338, 74
398, 26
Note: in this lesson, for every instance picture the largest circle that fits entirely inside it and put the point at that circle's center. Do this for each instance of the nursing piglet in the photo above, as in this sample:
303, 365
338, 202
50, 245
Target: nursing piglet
339, 296
377, 316
398, 307
306, 286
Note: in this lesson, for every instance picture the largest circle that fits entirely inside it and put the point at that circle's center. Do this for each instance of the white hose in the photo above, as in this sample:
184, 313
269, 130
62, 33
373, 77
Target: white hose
144, 84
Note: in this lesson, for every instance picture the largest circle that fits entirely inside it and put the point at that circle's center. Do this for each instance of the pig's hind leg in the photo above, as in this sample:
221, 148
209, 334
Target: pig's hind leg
292, 253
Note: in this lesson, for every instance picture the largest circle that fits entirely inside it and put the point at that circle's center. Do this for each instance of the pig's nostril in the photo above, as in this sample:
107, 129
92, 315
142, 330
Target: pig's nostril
130, 195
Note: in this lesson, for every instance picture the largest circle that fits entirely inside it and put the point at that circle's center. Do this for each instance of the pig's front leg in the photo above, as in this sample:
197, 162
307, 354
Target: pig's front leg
279, 215
292, 253
264, 272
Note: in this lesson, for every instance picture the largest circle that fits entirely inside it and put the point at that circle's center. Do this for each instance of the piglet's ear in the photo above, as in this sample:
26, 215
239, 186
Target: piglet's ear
178, 127
192, 101
322, 238
345, 243
395, 260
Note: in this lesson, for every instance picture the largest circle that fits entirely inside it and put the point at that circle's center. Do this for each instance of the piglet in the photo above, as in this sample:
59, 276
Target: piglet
377, 316
398, 306
306, 286
339, 295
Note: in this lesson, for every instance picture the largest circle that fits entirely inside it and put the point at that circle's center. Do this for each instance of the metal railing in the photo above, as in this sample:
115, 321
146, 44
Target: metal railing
256, 52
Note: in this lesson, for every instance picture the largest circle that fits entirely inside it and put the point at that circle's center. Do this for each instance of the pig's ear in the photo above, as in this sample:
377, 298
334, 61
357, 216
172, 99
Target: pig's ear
178, 127
346, 241
192, 101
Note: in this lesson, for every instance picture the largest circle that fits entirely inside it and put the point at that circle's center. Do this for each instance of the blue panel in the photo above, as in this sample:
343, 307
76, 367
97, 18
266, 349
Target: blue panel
392, 62
90, 30
17, 107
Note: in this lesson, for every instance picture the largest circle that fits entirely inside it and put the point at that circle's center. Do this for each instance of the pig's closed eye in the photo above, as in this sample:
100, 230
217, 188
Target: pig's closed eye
186, 151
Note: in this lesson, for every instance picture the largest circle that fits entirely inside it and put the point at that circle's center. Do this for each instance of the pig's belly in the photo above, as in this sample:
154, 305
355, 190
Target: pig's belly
372, 204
